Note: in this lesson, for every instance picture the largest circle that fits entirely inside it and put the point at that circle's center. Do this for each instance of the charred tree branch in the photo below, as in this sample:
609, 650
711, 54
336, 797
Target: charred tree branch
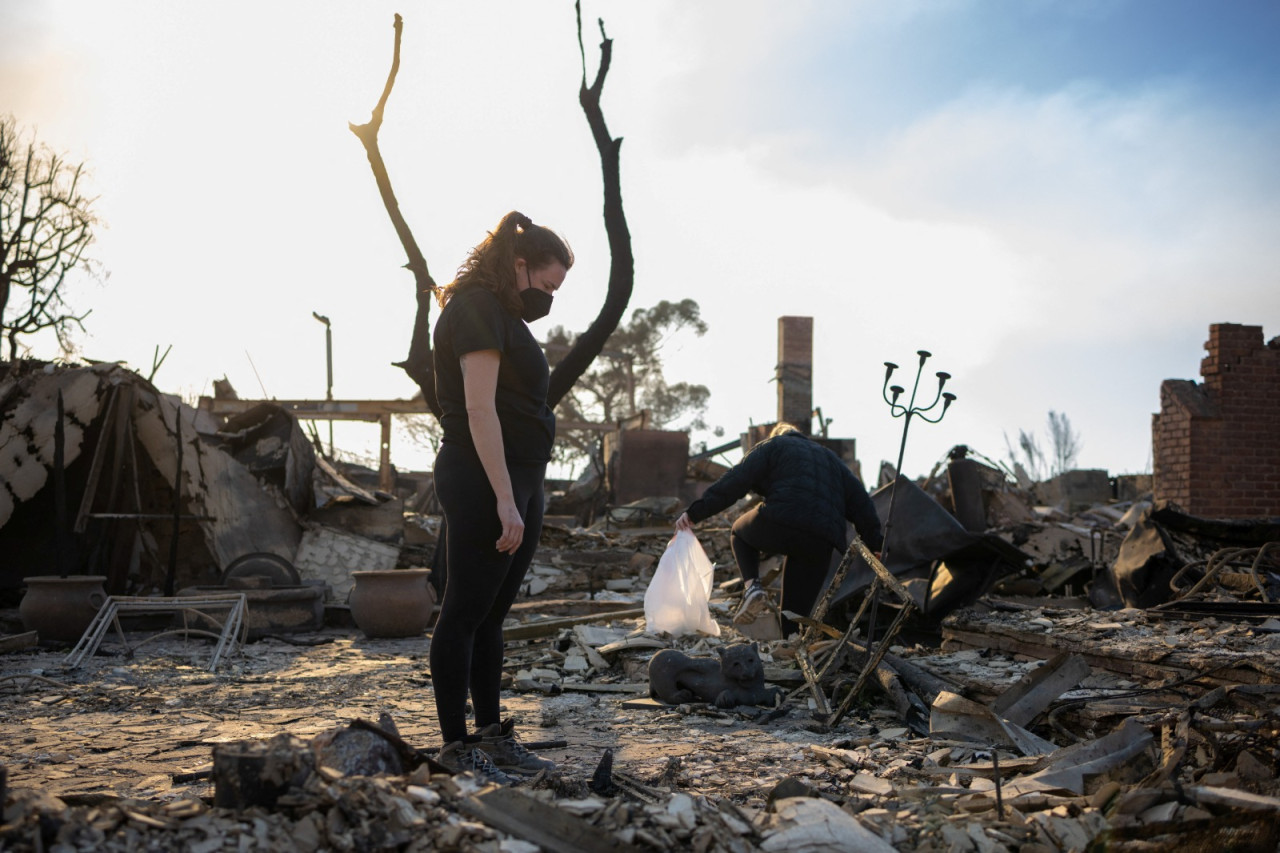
418, 365
622, 263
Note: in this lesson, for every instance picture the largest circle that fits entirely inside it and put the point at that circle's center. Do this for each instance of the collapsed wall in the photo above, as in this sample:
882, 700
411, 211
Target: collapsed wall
125, 447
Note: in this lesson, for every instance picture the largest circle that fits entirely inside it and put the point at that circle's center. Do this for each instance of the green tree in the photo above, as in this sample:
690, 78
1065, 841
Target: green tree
629, 378
46, 224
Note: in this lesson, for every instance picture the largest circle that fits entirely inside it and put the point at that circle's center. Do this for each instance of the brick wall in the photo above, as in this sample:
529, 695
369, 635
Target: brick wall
1216, 445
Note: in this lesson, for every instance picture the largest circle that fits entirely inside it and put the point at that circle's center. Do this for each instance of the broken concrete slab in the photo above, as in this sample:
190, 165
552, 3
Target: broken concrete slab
817, 826
957, 718
1033, 693
1080, 768
555, 830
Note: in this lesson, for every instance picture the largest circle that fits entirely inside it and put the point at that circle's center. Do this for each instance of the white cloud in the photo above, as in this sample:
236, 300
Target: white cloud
1123, 224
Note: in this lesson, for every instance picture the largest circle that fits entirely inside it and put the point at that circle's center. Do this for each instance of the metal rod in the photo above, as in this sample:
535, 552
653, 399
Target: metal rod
995, 768
171, 576
328, 363
61, 537
150, 516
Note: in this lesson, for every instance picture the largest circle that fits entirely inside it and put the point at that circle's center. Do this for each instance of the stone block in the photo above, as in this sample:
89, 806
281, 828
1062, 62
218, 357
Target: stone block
1071, 491
331, 555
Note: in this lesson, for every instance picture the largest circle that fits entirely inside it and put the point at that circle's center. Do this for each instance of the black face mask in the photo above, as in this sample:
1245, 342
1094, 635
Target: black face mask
537, 302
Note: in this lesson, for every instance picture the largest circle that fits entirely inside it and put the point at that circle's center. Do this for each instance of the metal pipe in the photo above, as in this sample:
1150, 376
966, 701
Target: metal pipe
328, 362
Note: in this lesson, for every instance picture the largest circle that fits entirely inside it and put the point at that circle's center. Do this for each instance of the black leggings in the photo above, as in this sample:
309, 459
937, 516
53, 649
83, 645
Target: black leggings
804, 570
466, 646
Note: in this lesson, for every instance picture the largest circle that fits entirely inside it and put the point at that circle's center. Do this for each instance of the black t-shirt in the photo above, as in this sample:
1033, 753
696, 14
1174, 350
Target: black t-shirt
474, 320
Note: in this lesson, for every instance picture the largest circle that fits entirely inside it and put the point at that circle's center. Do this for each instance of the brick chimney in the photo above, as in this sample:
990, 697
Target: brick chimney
794, 372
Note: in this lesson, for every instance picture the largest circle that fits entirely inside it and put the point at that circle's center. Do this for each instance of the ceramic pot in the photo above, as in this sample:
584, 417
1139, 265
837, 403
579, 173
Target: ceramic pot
59, 608
393, 603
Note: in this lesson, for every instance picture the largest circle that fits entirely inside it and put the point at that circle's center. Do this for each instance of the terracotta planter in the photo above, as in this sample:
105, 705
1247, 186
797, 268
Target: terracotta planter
394, 603
59, 608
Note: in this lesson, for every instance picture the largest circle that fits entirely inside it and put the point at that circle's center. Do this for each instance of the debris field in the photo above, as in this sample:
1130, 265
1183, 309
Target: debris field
1016, 722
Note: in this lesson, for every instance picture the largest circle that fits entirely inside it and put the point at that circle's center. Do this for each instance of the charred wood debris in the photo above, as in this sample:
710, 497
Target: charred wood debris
1056, 673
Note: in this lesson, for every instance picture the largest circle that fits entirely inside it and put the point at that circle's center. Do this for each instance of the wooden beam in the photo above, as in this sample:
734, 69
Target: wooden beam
549, 627
384, 455
1045, 647
574, 687
14, 642
811, 678
95, 466
320, 409
359, 410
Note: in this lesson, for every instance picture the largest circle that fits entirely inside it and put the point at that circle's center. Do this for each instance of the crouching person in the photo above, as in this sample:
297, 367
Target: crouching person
808, 494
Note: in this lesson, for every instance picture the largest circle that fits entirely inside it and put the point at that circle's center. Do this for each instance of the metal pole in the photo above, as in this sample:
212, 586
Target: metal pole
631, 383
907, 412
170, 578
328, 362
61, 537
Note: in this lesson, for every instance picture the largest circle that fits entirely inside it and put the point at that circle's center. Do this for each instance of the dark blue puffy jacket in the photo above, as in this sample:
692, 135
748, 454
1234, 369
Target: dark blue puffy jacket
804, 485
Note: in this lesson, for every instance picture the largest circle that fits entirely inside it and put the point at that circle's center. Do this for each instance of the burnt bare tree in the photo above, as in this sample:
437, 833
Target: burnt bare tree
1027, 457
418, 365
46, 224
1064, 447
622, 263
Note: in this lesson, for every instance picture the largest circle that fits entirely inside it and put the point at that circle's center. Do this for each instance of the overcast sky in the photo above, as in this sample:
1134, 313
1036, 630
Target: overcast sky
1055, 198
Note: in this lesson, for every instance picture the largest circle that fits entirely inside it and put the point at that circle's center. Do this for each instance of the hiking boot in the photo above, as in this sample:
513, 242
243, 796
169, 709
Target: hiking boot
499, 741
754, 602
470, 758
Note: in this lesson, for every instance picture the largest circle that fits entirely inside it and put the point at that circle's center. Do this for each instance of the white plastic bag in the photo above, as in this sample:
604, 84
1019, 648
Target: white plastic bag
676, 600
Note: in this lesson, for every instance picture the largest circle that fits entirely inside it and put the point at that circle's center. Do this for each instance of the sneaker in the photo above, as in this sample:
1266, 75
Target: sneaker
754, 602
499, 741
470, 758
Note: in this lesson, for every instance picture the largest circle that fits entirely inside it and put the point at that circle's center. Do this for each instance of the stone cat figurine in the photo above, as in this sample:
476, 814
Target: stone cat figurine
737, 678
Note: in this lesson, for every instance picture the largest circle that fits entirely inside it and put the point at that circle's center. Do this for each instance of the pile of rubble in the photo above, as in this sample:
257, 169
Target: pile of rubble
1015, 696
1128, 729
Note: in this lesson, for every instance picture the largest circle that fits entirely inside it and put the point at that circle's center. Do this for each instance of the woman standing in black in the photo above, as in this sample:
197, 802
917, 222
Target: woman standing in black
491, 380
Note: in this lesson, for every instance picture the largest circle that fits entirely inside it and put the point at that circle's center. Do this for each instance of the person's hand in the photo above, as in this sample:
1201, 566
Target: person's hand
683, 522
512, 527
